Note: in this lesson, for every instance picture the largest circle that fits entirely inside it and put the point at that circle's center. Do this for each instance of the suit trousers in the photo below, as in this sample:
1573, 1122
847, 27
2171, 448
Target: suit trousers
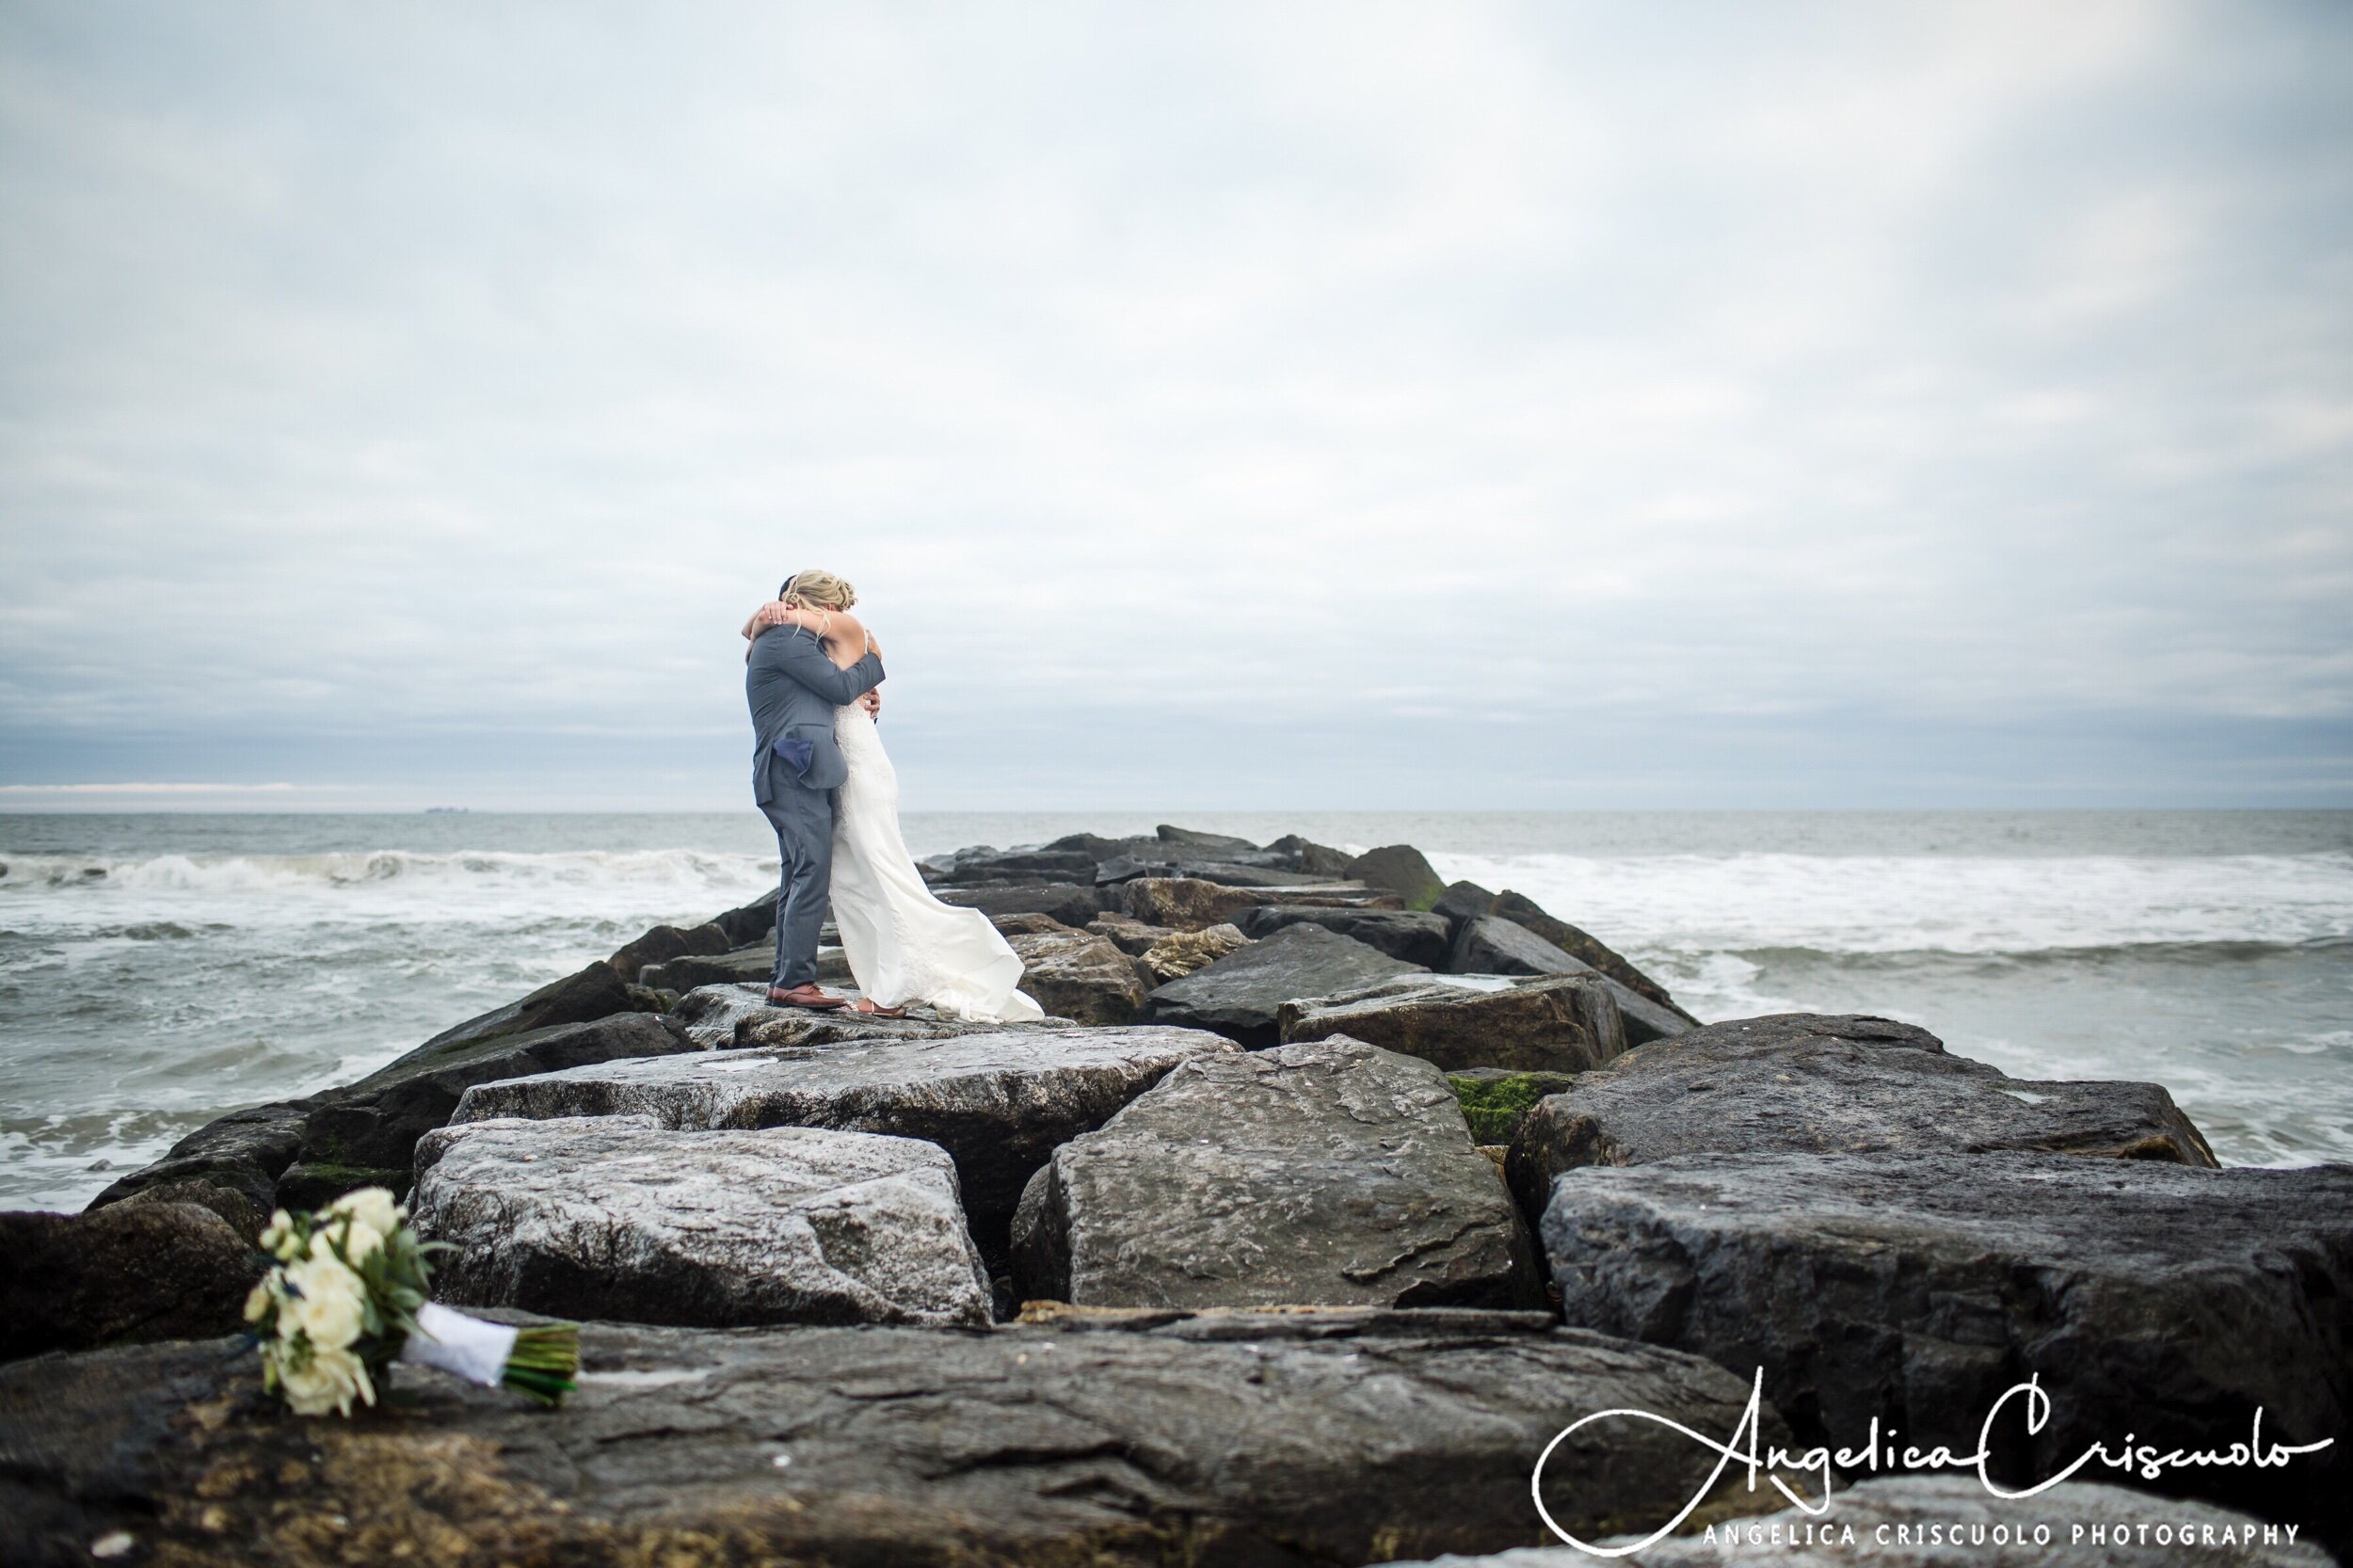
803, 819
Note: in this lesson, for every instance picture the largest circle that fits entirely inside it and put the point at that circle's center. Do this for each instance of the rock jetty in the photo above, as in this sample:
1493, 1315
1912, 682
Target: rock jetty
1329, 1199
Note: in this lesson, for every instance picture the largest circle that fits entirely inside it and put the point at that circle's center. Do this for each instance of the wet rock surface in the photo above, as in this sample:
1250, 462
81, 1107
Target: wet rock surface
1467, 900
1242, 995
1558, 1023
1493, 945
244, 1152
1190, 903
1818, 1083
1077, 974
1065, 903
1256, 1438
997, 1102
1029, 925
754, 963
125, 1273
1404, 933
1581, 945
707, 1014
596, 992
1131, 936
665, 942
2164, 1301
687, 1171
801, 1026
355, 1135
1330, 1171
1400, 868
1183, 952
618, 1216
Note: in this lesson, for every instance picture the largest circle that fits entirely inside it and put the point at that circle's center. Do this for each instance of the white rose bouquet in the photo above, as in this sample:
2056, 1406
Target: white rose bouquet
347, 1299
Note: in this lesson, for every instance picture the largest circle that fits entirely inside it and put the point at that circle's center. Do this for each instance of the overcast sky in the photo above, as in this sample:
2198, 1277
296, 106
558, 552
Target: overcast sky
1278, 407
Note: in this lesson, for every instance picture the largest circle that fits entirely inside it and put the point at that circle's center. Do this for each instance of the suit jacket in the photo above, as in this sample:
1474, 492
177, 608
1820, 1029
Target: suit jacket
794, 689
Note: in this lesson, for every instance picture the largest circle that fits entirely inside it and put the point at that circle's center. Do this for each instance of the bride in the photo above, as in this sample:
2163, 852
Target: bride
904, 945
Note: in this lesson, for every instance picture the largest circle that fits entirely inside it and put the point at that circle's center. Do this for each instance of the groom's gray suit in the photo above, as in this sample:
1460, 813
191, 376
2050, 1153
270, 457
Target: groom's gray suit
794, 689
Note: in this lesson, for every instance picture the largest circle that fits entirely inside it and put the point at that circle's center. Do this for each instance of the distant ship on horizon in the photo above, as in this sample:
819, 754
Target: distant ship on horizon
446, 810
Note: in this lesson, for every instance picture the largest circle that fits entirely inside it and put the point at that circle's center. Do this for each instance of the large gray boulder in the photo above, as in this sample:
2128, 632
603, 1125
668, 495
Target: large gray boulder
1242, 995
750, 922
1077, 974
708, 1015
754, 965
596, 992
1314, 858
1816, 1084
366, 1135
1251, 872
1467, 900
663, 943
1953, 1522
1915, 1290
621, 1217
1183, 952
1195, 842
1401, 869
1129, 935
1252, 1439
1191, 903
1330, 1171
1065, 901
1555, 1023
999, 1102
1029, 863
801, 1026
723, 1018
244, 1152
1583, 945
128, 1272
1493, 945
1403, 934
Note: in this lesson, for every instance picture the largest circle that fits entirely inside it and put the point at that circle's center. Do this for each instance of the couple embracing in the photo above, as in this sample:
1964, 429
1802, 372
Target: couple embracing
821, 776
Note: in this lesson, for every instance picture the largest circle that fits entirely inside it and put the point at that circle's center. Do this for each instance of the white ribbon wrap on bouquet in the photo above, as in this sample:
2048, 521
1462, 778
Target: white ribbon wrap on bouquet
461, 1346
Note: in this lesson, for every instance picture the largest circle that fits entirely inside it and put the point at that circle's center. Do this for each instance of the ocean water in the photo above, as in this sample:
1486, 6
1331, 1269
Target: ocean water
156, 970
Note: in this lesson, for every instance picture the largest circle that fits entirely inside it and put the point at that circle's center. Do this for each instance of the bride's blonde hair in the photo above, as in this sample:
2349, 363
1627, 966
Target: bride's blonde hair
817, 590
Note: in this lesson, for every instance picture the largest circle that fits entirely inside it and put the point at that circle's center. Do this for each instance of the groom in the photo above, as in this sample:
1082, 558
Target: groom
793, 688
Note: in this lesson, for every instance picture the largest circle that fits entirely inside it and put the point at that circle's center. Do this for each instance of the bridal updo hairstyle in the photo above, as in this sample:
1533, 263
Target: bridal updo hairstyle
817, 590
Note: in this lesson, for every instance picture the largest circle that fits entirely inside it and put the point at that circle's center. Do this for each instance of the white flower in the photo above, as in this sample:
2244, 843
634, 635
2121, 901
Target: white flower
278, 1237
372, 1206
258, 1304
361, 1239
328, 1305
329, 1380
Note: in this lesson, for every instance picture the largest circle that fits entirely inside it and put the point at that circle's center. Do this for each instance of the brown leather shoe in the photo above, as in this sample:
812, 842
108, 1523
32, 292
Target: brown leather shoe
805, 995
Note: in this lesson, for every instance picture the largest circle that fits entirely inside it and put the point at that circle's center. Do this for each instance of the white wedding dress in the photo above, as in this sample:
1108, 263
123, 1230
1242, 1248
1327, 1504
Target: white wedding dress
904, 945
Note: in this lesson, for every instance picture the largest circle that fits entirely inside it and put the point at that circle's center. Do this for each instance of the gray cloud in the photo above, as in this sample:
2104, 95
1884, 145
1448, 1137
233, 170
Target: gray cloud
1362, 406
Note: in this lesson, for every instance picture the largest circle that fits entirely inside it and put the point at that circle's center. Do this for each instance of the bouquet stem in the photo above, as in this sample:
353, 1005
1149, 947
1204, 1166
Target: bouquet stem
538, 1361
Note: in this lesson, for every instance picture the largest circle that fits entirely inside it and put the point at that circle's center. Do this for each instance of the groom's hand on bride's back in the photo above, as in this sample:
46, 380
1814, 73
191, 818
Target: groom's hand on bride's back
871, 699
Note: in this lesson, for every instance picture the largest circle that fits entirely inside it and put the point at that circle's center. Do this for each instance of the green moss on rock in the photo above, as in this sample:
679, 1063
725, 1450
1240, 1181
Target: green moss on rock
1401, 869
314, 1184
1494, 1100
